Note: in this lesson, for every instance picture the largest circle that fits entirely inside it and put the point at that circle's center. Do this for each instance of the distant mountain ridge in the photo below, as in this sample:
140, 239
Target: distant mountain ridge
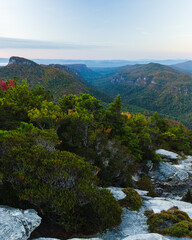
59, 81
107, 63
184, 67
80, 70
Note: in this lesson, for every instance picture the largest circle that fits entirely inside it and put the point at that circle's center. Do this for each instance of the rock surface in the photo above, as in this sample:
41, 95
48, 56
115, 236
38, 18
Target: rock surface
45, 239
172, 180
118, 194
17, 224
167, 154
149, 236
85, 239
134, 223
21, 61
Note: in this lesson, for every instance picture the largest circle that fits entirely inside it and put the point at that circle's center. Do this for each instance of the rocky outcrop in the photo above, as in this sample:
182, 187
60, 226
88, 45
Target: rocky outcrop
21, 61
167, 155
17, 224
172, 180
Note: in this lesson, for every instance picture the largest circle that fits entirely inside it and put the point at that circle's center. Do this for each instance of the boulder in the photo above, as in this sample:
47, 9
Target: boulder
16, 224
170, 180
167, 155
118, 194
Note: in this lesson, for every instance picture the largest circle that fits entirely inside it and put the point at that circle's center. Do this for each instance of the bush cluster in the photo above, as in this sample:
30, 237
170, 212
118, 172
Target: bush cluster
173, 222
132, 201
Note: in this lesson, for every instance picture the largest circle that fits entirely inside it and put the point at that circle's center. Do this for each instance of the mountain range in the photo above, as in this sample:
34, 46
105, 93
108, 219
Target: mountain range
152, 87
184, 67
60, 80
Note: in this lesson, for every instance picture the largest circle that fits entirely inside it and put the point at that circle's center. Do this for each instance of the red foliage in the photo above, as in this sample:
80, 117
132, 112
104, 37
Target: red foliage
6, 84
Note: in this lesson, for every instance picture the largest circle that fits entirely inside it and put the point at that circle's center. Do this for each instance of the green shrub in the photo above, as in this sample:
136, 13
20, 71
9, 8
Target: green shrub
173, 222
145, 183
148, 213
181, 229
132, 200
59, 184
187, 197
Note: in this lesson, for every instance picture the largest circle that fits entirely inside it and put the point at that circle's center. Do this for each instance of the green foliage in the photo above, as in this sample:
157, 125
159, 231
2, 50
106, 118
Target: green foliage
16, 102
48, 116
145, 183
68, 102
45, 162
173, 222
132, 200
170, 134
114, 119
41, 92
187, 197
58, 184
116, 164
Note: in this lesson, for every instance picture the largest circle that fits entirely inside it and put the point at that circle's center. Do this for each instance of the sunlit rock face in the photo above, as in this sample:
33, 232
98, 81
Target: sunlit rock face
17, 224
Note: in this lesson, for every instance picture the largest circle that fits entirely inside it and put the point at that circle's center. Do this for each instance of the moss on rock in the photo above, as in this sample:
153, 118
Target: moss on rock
132, 201
173, 222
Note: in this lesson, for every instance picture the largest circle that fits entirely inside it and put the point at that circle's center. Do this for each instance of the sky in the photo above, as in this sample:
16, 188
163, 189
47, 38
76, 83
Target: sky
96, 29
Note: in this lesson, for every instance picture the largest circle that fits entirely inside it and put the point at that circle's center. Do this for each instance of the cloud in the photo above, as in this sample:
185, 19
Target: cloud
16, 43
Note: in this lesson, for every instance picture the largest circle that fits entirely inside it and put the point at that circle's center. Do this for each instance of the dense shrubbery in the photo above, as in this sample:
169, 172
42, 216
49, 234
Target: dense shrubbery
60, 184
132, 201
53, 155
173, 222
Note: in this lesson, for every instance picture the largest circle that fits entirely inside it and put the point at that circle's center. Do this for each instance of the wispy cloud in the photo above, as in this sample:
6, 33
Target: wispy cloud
16, 43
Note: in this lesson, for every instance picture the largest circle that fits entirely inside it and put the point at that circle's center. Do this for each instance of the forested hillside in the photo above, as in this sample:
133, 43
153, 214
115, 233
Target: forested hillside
59, 81
154, 87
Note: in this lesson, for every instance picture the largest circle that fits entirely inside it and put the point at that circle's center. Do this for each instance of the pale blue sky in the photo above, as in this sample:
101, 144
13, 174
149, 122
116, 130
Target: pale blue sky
96, 29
